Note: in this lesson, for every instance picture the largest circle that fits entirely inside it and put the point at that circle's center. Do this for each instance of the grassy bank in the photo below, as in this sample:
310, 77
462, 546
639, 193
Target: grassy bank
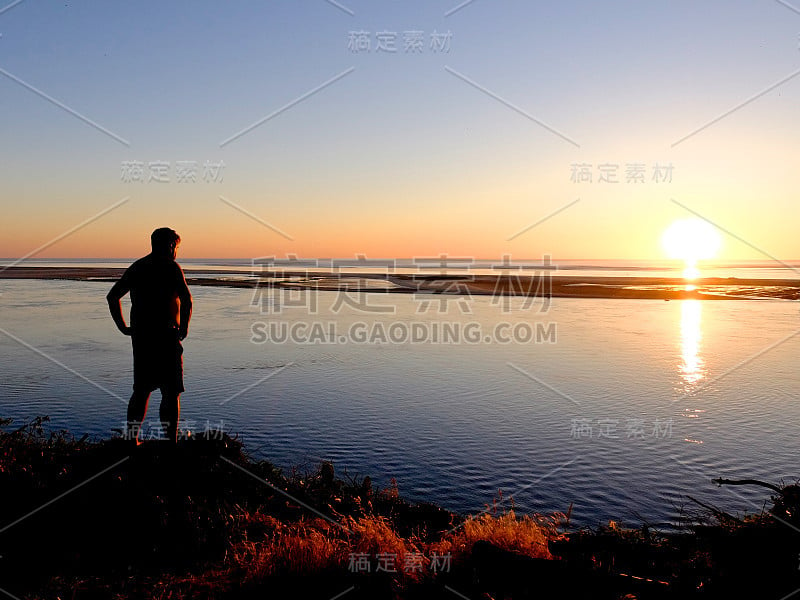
98, 519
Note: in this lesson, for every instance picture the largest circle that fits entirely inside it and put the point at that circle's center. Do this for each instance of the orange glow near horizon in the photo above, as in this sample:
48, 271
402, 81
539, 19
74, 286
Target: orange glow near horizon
124, 234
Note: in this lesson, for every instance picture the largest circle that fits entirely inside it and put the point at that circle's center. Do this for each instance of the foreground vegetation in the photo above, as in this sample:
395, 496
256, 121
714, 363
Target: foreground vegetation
82, 519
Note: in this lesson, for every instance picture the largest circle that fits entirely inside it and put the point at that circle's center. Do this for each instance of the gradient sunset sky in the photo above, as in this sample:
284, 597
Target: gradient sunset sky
454, 148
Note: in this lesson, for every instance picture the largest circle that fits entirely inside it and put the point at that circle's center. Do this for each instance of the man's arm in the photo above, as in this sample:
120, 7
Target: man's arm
115, 307
186, 305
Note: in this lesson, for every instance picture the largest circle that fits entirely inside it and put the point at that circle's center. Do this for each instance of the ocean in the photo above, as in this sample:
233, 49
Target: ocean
621, 409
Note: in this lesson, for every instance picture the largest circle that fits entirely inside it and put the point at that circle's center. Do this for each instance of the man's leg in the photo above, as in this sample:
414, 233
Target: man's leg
137, 408
172, 377
170, 412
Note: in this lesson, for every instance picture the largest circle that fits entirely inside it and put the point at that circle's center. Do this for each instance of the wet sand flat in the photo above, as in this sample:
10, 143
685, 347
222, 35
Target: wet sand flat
538, 285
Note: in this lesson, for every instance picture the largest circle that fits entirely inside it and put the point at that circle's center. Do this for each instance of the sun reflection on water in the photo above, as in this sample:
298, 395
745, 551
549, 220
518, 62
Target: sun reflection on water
692, 367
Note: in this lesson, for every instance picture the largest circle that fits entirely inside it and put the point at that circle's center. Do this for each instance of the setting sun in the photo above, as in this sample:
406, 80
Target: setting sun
691, 240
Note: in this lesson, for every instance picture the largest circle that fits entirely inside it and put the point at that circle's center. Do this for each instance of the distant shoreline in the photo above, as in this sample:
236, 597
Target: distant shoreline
536, 285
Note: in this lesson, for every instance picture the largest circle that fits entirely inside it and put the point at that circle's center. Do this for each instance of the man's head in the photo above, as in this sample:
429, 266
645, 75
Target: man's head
164, 242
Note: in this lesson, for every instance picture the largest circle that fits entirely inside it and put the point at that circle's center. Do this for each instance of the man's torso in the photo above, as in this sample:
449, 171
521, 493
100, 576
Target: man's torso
154, 284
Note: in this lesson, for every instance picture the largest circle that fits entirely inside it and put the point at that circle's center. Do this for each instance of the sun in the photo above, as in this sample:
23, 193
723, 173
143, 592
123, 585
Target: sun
691, 240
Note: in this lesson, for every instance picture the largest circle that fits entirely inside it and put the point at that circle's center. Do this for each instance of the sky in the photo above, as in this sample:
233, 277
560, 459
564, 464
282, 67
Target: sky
398, 129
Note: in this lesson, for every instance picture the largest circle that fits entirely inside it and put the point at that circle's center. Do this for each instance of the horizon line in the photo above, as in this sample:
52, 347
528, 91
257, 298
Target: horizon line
404, 258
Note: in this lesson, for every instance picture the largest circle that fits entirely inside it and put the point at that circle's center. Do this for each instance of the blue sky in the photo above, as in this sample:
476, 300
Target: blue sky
401, 155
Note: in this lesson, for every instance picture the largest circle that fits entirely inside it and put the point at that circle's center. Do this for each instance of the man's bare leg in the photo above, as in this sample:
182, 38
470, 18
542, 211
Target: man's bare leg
137, 408
169, 413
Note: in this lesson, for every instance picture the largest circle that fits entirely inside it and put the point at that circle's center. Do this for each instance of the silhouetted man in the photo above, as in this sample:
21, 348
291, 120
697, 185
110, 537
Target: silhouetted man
161, 307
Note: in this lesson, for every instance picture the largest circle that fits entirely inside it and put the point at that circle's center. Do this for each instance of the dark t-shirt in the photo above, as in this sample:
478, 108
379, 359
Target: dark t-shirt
156, 285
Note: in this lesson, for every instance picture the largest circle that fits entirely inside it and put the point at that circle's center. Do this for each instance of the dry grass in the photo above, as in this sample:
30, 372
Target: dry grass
526, 535
295, 549
318, 546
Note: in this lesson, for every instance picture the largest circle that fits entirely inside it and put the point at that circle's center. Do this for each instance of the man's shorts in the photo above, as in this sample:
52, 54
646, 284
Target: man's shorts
157, 362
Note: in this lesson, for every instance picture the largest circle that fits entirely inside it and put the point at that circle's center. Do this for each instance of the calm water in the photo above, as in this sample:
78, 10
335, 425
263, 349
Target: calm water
632, 406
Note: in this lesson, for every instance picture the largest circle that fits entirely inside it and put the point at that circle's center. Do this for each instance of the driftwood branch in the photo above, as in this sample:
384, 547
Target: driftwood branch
720, 514
747, 482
